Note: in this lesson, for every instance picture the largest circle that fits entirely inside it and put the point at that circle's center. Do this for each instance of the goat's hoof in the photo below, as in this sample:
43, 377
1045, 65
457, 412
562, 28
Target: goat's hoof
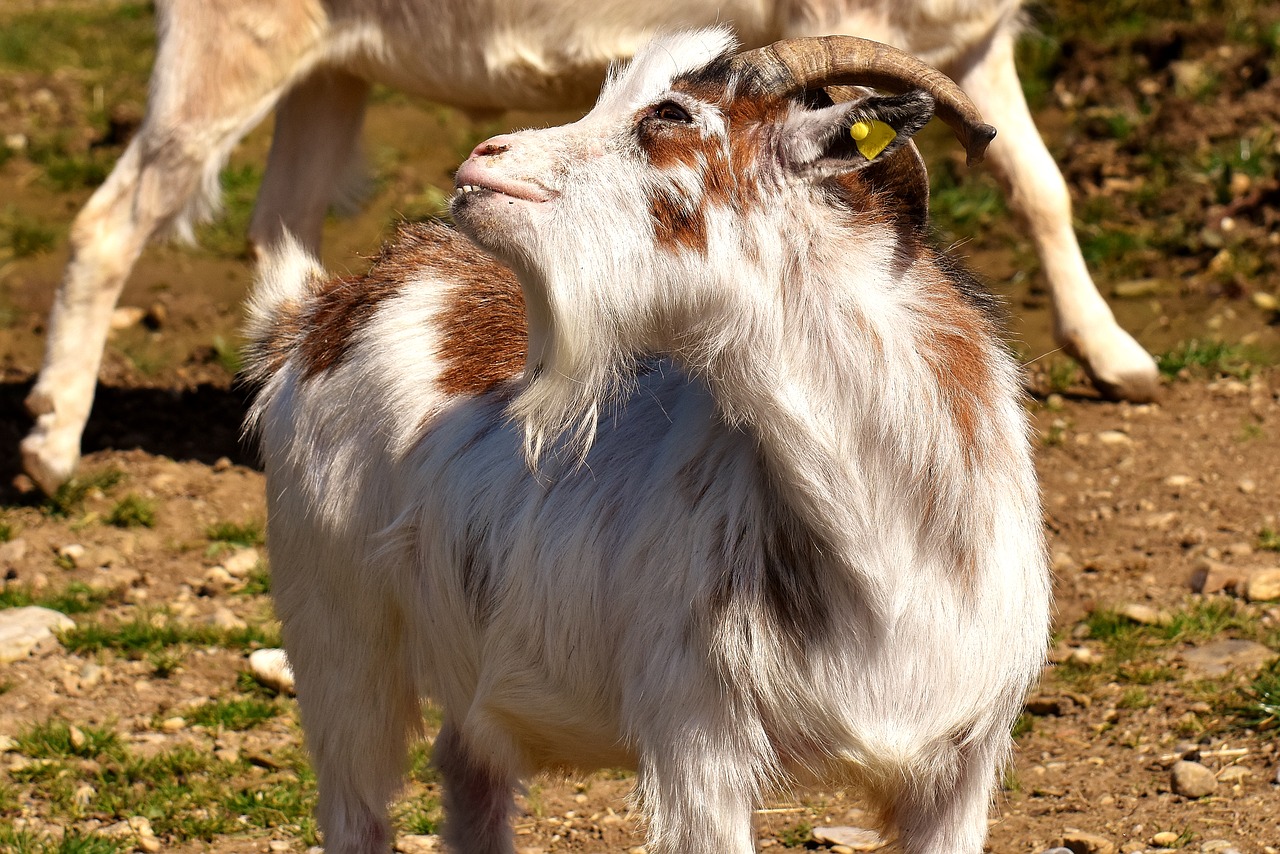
49, 460
1118, 367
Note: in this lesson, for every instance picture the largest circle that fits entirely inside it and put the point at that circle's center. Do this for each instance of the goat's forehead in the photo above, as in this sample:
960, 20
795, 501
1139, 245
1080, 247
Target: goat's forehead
660, 62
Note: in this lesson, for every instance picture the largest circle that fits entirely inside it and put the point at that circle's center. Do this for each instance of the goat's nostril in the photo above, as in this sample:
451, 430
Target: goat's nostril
489, 148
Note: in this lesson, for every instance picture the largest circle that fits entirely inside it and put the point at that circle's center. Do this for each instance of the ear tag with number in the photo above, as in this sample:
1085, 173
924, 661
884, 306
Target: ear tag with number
872, 137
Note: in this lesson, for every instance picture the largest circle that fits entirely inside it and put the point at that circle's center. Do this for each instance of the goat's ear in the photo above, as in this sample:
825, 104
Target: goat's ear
851, 136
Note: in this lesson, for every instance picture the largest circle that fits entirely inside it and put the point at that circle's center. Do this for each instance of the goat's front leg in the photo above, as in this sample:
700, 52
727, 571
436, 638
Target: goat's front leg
478, 797
1084, 324
696, 802
359, 709
947, 814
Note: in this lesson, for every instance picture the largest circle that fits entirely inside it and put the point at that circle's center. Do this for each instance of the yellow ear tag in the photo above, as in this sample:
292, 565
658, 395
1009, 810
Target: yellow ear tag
872, 137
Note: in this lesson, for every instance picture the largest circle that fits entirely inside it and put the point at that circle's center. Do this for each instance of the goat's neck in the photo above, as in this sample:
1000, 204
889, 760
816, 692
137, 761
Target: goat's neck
823, 368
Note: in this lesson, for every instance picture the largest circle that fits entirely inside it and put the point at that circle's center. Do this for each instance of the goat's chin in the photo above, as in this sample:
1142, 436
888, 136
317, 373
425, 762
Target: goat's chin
495, 224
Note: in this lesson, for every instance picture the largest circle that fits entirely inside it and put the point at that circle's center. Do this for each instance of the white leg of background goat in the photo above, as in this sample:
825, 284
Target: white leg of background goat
1084, 324
316, 134
198, 108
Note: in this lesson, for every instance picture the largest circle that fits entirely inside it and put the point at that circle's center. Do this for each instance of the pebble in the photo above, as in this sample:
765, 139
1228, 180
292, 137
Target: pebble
851, 838
114, 580
1263, 585
411, 843
1192, 780
1247, 486
242, 562
1114, 437
30, 631
1211, 576
1165, 839
174, 724
226, 620
1233, 774
1078, 842
271, 668
1177, 481
126, 316
84, 794
12, 552
1145, 615
1221, 657
279, 845
73, 552
216, 580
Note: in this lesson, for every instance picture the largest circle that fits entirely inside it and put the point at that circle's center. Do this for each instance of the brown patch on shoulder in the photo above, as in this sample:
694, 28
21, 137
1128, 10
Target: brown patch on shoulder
483, 328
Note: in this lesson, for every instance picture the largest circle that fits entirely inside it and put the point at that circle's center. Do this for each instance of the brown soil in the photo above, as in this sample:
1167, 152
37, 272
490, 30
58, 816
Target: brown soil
168, 417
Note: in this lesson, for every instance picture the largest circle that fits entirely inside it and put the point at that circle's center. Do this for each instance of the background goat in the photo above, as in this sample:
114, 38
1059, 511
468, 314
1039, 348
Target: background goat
803, 540
221, 67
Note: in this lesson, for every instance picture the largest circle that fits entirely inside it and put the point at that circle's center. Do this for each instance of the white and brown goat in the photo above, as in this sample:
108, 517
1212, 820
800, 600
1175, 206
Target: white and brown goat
757, 507
222, 66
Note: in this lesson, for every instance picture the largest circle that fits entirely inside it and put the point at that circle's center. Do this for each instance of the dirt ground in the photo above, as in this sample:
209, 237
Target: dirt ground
1166, 127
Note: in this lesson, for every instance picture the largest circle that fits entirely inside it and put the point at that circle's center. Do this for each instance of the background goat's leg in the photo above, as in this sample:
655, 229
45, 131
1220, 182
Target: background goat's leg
478, 799
214, 79
1084, 324
312, 150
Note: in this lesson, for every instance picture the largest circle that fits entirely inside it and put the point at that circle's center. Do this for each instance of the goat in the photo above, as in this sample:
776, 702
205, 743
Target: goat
699, 460
220, 68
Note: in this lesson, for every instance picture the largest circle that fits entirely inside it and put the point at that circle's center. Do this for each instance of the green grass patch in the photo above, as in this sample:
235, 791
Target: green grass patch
421, 815
6, 532
1207, 357
72, 842
235, 714
75, 598
59, 740
228, 354
225, 237
144, 635
797, 836
59, 37
237, 534
22, 236
133, 511
1269, 539
71, 495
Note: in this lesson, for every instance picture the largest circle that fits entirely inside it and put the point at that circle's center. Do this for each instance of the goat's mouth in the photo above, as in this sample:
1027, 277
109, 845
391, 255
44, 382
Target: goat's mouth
471, 186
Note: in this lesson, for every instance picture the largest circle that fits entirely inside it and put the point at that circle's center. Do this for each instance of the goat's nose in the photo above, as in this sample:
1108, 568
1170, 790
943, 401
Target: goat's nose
491, 147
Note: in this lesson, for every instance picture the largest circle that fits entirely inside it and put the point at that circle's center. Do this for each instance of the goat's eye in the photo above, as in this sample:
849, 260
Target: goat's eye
670, 111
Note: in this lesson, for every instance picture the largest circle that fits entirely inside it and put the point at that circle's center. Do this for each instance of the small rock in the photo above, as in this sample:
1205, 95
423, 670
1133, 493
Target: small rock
1211, 576
1137, 288
1233, 774
7, 744
114, 580
1114, 437
216, 580
1192, 780
1221, 657
1078, 842
1178, 481
1084, 655
241, 563
15, 141
174, 724
13, 552
76, 736
410, 843
279, 845
126, 316
1145, 615
1165, 839
226, 620
1262, 585
853, 838
83, 794
30, 630
1265, 301
91, 674
1214, 846
73, 552
271, 668
1247, 486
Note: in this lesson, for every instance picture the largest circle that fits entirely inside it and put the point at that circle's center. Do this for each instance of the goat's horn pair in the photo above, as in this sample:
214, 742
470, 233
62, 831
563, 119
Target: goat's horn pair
794, 65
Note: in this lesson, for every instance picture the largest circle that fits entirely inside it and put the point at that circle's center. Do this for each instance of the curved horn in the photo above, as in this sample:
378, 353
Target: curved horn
793, 65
